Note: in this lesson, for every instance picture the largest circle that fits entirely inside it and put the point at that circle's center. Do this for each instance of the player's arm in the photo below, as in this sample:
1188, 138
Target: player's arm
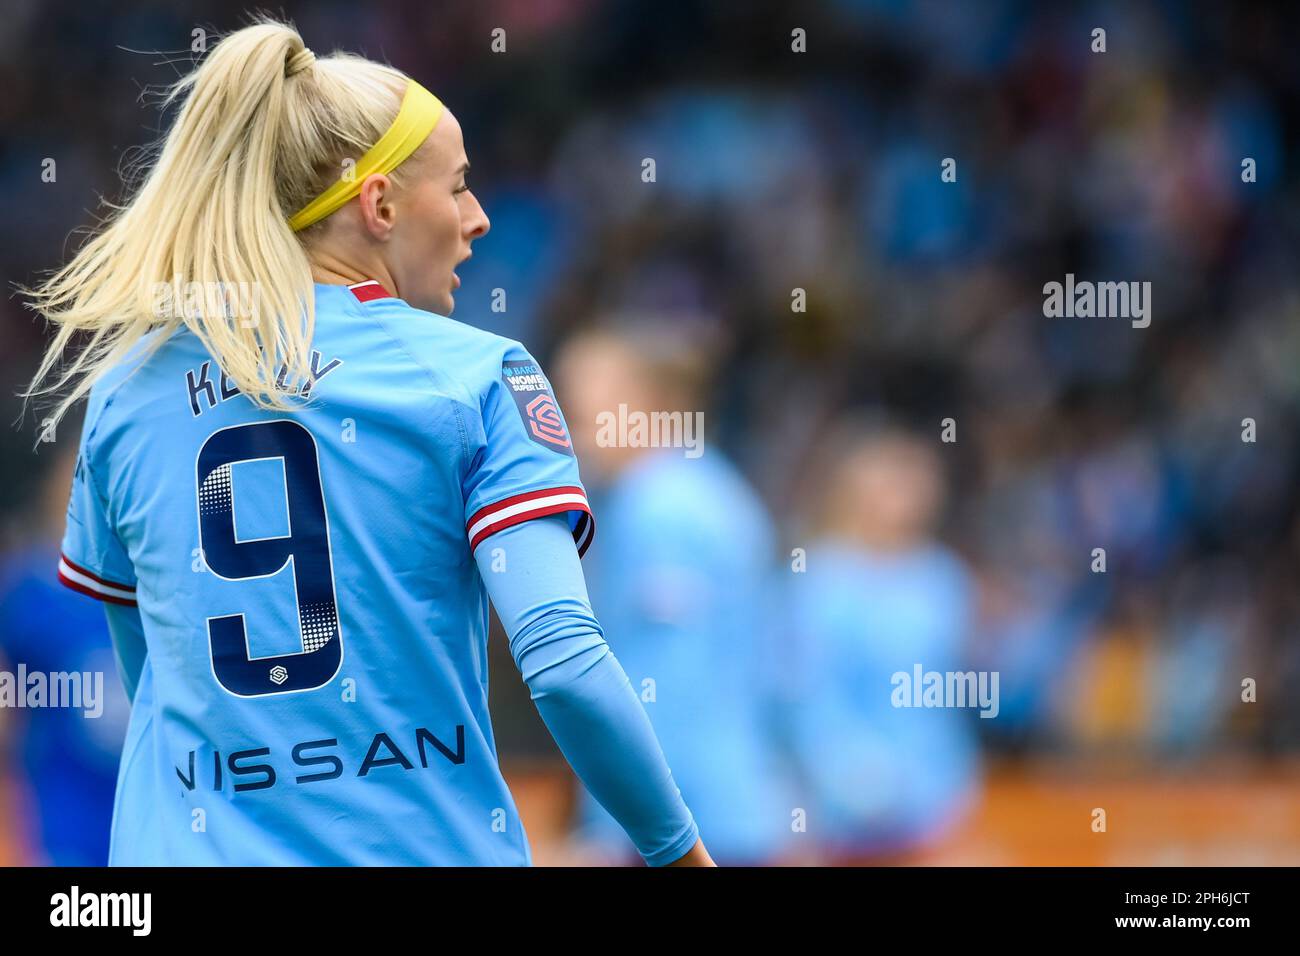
94, 562
581, 690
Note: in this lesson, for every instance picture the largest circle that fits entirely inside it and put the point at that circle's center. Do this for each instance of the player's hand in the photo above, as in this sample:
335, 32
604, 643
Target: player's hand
695, 856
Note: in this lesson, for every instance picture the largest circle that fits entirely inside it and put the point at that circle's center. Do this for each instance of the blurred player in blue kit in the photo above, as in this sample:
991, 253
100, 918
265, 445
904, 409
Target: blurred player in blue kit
879, 597
682, 577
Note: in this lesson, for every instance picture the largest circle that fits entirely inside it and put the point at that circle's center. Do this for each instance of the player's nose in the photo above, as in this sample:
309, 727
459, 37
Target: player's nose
476, 223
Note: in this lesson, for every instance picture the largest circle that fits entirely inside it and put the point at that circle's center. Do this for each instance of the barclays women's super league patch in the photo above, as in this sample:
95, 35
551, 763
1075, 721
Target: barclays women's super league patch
536, 404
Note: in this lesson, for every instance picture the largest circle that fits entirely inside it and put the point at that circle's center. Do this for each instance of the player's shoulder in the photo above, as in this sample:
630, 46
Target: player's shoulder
121, 388
702, 477
704, 491
447, 348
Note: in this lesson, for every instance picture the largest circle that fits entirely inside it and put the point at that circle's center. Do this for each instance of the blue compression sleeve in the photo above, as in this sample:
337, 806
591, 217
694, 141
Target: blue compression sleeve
580, 688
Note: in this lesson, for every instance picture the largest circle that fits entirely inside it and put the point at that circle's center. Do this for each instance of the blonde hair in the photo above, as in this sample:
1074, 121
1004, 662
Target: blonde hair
265, 127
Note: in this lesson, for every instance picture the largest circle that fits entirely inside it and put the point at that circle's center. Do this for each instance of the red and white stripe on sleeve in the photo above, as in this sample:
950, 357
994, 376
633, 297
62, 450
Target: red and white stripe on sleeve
87, 582
534, 504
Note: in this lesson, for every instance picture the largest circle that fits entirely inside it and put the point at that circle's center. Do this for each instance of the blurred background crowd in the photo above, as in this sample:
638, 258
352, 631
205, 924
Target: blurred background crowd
905, 462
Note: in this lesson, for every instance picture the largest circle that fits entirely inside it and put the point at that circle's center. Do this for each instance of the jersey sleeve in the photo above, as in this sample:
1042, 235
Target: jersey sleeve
92, 559
522, 464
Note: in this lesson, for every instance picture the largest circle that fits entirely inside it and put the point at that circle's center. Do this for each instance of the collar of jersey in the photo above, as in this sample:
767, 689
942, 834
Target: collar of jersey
369, 290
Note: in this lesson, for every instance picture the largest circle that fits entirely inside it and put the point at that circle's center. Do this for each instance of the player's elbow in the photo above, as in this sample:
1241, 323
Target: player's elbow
557, 653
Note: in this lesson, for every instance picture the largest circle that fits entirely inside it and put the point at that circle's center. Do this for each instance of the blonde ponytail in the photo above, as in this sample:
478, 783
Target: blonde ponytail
205, 242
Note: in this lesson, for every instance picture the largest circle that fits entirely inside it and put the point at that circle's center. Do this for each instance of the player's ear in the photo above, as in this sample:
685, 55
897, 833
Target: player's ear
377, 210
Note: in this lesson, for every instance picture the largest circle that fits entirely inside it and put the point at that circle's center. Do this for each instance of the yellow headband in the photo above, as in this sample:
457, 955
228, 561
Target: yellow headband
419, 114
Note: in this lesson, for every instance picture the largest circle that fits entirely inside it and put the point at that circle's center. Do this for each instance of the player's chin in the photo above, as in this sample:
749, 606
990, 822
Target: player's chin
440, 303
436, 300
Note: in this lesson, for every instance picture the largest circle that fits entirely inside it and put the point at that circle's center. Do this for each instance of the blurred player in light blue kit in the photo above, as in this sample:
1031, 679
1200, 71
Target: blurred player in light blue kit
679, 577
879, 596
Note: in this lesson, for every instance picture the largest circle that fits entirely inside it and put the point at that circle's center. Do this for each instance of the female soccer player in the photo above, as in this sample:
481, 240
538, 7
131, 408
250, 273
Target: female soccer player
298, 483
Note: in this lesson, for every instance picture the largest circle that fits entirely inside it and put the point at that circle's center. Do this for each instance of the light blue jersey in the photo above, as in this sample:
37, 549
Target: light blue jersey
879, 774
312, 685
